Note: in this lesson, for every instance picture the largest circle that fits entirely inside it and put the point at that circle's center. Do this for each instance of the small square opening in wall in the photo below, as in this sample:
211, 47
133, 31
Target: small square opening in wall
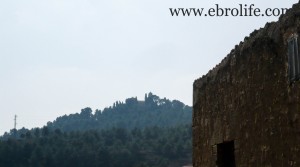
225, 154
293, 58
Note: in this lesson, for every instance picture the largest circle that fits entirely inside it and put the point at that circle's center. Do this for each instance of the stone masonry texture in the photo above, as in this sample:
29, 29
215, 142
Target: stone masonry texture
248, 99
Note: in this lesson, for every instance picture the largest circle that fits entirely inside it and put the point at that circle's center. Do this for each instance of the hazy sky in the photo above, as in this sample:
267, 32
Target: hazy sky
59, 56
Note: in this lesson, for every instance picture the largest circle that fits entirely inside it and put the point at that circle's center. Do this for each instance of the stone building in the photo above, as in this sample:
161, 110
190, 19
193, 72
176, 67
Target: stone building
247, 108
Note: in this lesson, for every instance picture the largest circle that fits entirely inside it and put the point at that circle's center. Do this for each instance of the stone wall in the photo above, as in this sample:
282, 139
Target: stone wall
249, 100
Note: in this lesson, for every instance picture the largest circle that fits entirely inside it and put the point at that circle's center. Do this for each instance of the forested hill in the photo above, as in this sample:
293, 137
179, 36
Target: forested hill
151, 133
153, 111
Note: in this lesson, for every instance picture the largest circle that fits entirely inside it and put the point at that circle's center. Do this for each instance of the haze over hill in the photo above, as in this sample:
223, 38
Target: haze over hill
152, 111
154, 132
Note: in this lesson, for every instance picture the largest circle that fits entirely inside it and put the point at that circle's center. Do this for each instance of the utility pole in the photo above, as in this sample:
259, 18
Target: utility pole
15, 127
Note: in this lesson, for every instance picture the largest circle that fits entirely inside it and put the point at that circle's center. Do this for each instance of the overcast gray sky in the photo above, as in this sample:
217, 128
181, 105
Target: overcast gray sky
59, 56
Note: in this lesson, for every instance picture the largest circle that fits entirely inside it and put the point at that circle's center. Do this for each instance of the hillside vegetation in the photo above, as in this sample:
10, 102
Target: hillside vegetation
154, 132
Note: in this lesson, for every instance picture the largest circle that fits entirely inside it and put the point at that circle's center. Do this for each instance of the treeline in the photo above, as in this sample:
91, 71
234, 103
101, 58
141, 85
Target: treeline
116, 147
153, 111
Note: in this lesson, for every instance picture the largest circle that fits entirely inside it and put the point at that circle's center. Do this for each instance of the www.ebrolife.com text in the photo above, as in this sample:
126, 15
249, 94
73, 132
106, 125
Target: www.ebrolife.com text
218, 11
